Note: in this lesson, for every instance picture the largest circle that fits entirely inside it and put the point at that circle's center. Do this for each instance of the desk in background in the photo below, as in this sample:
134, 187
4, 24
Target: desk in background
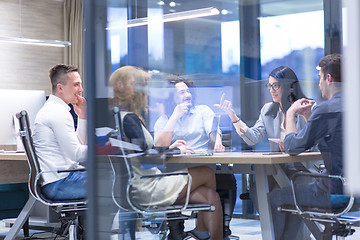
14, 175
14, 168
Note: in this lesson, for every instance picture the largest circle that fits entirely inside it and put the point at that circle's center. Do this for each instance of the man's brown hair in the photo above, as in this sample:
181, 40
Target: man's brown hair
57, 72
331, 64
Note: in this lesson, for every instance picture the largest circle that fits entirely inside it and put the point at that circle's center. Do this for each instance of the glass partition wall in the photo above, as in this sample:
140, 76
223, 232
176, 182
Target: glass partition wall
223, 46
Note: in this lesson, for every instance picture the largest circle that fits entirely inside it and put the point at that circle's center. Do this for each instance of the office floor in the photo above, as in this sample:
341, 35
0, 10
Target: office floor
245, 229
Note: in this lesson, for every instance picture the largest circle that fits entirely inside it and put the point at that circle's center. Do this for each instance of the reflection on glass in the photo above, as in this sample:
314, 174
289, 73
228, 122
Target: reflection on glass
230, 47
117, 39
294, 40
147, 190
207, 50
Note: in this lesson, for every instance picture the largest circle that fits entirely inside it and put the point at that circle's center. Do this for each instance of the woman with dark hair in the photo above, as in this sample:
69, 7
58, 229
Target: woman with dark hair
289, 83
284, 88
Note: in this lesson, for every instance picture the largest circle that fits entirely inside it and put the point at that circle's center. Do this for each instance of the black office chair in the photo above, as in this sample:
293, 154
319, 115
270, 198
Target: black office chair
123, 197
69, 210
333, 216
130, 210
226, 188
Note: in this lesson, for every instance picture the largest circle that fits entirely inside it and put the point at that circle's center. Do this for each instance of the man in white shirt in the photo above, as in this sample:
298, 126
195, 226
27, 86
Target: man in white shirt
58, 145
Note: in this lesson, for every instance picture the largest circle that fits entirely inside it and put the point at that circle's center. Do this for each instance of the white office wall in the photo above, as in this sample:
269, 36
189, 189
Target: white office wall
26, 66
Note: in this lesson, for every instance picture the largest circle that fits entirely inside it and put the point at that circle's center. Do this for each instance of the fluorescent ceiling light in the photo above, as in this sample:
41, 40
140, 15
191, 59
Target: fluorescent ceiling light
170, 17
161, 3
39, 42
31, 41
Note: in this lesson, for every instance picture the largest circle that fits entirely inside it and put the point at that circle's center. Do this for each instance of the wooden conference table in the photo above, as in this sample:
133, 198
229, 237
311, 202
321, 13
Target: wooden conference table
14, 168
260, 164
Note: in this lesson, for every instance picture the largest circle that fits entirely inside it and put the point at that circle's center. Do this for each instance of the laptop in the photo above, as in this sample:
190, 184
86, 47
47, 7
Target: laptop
211, 144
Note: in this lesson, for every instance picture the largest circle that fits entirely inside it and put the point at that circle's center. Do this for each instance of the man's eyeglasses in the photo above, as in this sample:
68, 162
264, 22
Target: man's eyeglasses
274, 86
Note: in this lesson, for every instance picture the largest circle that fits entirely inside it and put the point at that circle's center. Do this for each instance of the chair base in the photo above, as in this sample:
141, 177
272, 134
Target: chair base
71, 226
336, 226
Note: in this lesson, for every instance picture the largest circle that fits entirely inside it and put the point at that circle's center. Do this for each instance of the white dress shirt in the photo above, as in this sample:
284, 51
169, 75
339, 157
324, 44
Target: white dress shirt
58, 145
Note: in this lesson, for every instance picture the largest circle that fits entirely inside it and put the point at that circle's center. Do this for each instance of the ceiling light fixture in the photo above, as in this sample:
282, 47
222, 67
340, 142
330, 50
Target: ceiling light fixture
161, 3
31, 41
41, 42
224, 12
170, 17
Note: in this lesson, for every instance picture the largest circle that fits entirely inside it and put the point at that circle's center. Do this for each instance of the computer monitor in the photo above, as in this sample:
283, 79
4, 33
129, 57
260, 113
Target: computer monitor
12, 102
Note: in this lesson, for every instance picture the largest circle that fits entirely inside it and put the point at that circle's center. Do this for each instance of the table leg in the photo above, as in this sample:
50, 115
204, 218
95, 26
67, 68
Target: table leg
267, 230
20, 220
281, 178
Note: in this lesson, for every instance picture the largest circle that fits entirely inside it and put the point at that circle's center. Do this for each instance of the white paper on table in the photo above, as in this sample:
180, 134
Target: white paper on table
103, 131
275, 140
125, 145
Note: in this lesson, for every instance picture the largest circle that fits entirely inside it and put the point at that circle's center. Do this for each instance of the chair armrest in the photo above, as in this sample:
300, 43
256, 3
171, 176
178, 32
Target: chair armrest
165, 174
159, 154
337, 200
38, 176
72, 170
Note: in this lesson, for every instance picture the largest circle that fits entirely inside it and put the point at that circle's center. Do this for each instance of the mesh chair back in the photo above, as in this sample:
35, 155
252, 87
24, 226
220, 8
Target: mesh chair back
123, 172
123, 185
